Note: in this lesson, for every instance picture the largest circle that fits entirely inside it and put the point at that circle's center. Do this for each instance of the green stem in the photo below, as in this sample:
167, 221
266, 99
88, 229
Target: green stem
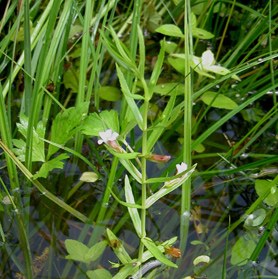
186, 187
144, 172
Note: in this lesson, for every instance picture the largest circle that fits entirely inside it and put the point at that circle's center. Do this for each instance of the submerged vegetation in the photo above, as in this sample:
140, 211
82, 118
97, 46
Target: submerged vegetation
138, 139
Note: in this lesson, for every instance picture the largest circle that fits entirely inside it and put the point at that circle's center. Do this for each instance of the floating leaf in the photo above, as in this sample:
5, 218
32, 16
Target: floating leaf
242, 250
218, 100
89, 176
170, 30
109, 93
269, 190
201, 259
55, 163
155, 251
256, 218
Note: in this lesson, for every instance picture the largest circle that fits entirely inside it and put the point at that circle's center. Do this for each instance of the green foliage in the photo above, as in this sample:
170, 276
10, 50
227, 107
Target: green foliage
243, 249
109, 93
77, 251
269, 190
95, 123
38, 152
55, 163
218, 100
65, 126
155, 251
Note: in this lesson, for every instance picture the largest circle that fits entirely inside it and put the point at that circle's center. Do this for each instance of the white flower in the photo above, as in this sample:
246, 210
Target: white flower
107, 136
181, 167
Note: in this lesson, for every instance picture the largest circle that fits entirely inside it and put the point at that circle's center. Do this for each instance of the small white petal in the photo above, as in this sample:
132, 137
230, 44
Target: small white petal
107, 135
207, 59
181, 167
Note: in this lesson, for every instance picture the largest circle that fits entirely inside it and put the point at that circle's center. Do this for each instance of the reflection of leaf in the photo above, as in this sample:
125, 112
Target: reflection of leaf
48, 166
38, 154
65, 125
218, 100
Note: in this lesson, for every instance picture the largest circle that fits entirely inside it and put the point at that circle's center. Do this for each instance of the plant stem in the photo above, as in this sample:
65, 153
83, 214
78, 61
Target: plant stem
144, 173
186, 187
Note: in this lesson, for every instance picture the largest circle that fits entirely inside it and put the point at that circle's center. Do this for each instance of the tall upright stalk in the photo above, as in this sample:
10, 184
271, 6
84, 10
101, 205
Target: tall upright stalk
186, 187
144, 174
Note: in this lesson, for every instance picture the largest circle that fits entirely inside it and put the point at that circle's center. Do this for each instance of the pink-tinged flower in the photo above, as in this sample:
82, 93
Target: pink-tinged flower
181, 167
107, 136
159, 158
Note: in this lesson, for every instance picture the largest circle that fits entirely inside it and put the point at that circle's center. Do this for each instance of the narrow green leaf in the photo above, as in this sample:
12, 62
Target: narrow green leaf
218, 100
133, 212
127, 270
157, 70
150, 245
118, 247
201, 33
130, 101
141, 41
169, 187
132, 170
170, 30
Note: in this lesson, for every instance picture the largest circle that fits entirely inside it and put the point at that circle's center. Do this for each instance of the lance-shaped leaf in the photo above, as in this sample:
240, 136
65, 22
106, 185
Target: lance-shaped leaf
118, 247
155, 251
169, 186
130, 101
133, 212
170, 30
